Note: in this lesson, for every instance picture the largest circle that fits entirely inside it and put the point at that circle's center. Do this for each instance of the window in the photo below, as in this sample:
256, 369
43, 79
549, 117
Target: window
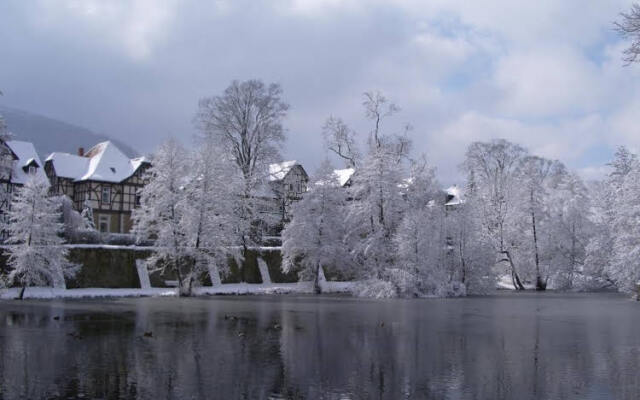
103, 223
32, 170
137, 199
106, 195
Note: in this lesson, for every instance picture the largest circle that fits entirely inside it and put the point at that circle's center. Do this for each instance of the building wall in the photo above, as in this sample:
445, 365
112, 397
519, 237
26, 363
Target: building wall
111, 203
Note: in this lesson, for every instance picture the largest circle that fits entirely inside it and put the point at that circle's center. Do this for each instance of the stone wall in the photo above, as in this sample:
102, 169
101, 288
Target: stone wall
115, 267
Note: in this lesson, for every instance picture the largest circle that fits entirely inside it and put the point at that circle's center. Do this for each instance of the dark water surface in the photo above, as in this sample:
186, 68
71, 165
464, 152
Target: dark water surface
508, 346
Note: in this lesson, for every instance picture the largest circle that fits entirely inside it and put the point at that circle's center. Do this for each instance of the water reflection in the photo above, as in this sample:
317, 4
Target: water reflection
524, 346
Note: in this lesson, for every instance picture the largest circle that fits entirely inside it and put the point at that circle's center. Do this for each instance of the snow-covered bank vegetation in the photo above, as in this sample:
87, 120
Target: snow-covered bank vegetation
383, 223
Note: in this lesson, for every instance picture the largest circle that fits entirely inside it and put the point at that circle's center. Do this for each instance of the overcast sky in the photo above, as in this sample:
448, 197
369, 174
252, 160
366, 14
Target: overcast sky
546, 74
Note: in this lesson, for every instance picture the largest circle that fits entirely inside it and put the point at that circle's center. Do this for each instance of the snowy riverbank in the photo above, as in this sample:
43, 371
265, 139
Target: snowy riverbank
224, 289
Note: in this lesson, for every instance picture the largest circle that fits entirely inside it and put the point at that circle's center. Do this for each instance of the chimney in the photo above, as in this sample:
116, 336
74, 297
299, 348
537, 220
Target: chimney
81, 151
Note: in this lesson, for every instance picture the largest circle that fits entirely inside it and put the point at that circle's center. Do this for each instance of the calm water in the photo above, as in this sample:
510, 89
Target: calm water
508, 346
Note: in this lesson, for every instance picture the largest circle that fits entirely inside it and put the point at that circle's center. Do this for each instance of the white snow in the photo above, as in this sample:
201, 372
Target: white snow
68, 165
224, 289
456, 194
344, 175
103, 162
278, 171
25, 152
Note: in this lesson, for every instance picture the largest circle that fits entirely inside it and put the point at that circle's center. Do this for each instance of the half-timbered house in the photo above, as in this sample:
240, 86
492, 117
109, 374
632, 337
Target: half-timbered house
104, 179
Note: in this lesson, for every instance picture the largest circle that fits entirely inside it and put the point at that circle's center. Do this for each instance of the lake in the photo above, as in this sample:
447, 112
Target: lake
505, 346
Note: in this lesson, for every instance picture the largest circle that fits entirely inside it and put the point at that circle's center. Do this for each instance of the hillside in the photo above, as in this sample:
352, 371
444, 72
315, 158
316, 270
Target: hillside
49, 135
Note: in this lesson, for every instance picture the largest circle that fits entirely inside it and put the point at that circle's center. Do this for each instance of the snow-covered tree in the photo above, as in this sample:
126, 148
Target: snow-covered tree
421, 245
539, 177
246, 123
570, 228
210, 224
472, 252
493, 170
624, 268
36, 254
607, 202
314, 239
161, 212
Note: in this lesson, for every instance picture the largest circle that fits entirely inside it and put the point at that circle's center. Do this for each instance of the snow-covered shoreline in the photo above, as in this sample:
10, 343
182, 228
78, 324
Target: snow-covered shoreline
224, 289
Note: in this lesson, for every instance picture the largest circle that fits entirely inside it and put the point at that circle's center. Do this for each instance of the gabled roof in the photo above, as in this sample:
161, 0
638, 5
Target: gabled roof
26, 154
278, 171
344, 175
103, 162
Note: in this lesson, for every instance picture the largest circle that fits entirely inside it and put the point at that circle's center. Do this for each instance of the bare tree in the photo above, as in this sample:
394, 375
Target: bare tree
629, 28
341, 140
376, 108
246, 121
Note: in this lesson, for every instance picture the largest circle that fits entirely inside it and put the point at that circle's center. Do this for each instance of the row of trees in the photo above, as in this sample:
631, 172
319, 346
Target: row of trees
389, 230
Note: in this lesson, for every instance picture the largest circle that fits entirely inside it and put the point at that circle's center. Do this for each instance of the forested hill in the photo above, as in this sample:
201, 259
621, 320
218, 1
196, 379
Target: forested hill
49, 135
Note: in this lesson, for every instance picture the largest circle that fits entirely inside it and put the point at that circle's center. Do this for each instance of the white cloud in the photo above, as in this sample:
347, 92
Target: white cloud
548, 82
135, 26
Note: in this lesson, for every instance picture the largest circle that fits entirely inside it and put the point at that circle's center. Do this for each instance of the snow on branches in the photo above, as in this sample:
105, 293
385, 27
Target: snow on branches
36, 254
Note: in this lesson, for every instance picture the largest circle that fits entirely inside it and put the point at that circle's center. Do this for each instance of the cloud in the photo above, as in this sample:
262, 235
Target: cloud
134, 26
546, 74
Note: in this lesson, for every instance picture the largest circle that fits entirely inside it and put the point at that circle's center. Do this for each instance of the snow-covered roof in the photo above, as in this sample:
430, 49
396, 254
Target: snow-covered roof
103, 162
454, 194
278, 171
344, 175
26, 153
68, 165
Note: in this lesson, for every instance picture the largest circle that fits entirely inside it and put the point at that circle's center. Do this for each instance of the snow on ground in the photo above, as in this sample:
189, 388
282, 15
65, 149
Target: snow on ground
505, 283
51, 293
224, 289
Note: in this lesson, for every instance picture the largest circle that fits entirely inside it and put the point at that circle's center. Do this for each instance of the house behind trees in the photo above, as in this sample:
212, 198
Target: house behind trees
287, 182
18, 159
104, 179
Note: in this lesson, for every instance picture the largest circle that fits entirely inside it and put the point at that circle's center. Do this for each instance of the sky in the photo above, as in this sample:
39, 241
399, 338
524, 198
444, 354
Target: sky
545, 74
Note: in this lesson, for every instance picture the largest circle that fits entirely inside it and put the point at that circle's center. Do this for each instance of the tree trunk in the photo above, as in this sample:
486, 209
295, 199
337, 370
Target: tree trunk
540, 283
21, 293
316, 282
517, 283
181, 291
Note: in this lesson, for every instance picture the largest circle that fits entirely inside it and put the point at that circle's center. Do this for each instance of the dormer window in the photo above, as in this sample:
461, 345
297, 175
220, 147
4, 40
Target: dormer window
31, 167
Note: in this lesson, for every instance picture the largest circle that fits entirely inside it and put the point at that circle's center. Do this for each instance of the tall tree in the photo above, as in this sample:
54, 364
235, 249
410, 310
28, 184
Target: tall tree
210, 224
161, 212
493, 169
246, 123
314, 239
624, 268
537, 172
606, 207
570, 228
36, 254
